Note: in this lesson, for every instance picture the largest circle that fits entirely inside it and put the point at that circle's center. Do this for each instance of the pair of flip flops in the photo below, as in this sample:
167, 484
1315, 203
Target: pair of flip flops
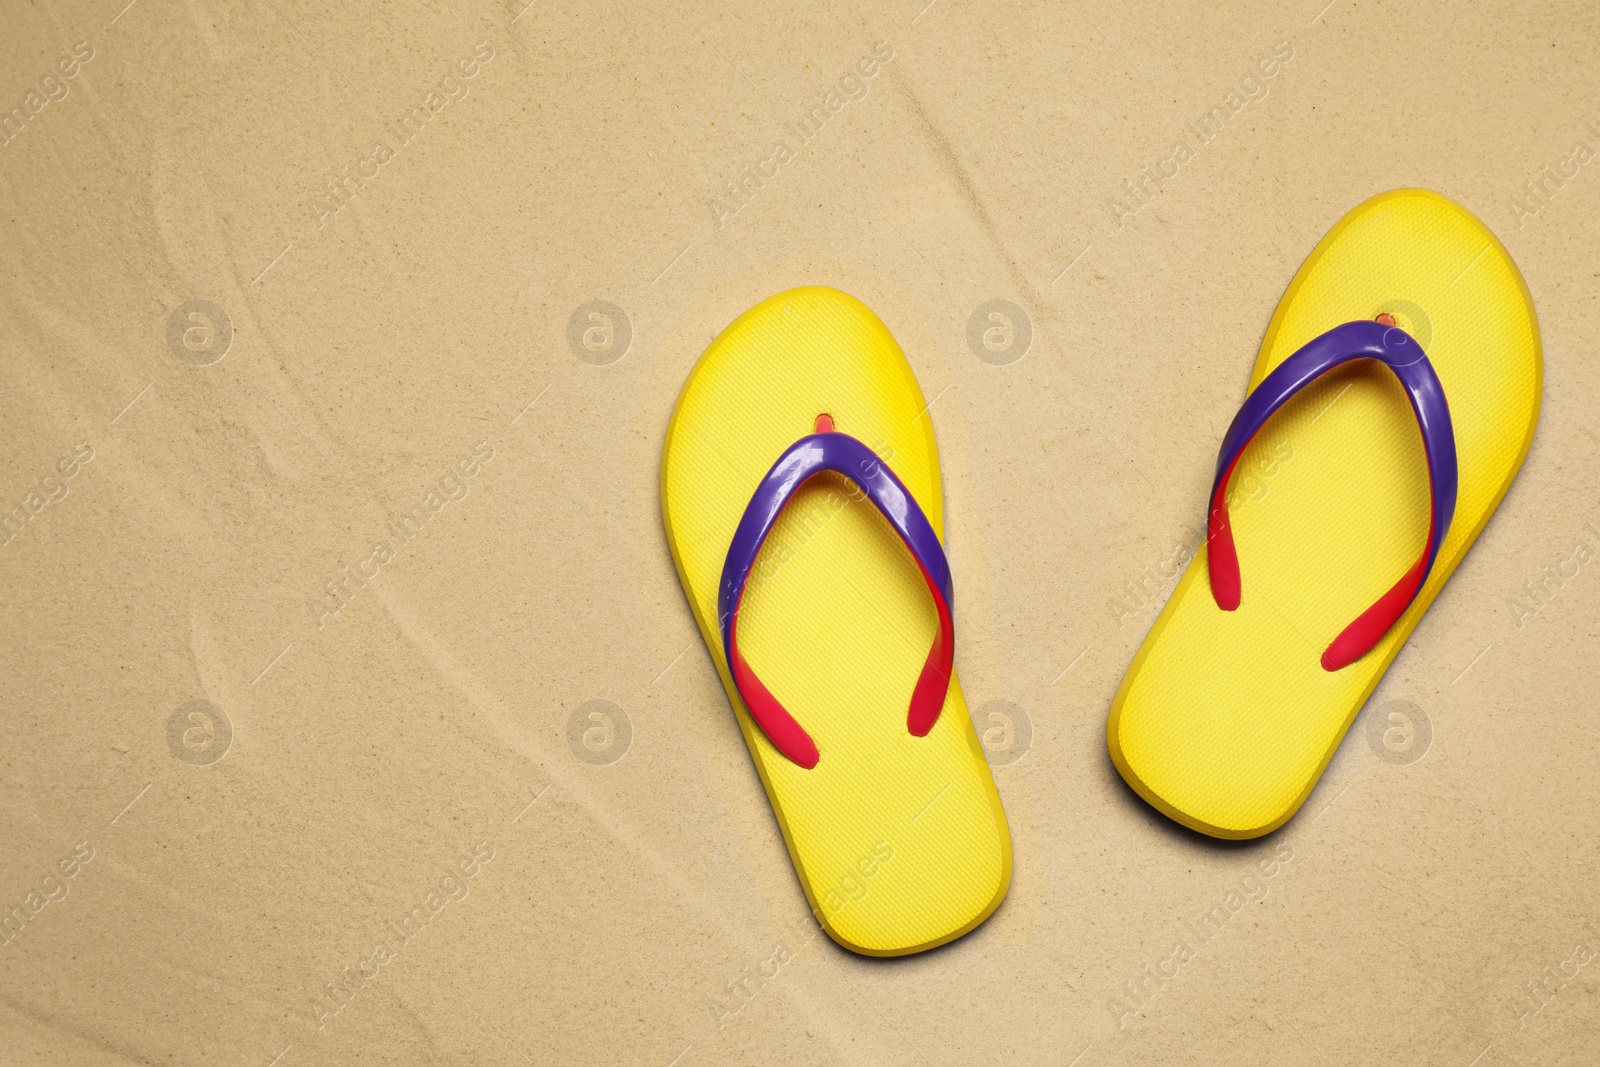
801, 496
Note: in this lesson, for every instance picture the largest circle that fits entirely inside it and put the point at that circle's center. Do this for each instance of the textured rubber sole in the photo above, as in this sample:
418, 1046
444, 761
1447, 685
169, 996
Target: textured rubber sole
899, 842
1226, 720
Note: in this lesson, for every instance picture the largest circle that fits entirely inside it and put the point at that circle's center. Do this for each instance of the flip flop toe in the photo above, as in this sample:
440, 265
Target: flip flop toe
801, 498
1393, 401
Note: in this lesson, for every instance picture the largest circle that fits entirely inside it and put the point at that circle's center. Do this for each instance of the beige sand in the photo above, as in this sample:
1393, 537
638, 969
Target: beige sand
338, 350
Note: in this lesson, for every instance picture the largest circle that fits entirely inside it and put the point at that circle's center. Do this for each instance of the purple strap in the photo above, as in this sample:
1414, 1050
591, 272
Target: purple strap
1398, 351
830, 450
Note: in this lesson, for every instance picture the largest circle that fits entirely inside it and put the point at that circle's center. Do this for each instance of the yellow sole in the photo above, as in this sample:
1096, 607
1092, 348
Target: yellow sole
1226, 720
900, 842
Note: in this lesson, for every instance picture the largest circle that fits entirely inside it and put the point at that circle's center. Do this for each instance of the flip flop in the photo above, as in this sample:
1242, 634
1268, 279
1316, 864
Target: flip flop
1409, 314
801, 496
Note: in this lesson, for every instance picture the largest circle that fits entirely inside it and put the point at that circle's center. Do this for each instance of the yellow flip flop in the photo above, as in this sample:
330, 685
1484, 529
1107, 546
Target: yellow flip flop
1408, 315
800, 491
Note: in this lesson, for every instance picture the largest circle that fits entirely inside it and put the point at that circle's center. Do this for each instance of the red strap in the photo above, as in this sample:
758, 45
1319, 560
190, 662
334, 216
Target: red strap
781, 728
1355, 640
790, 738
787, 735
1386, 343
